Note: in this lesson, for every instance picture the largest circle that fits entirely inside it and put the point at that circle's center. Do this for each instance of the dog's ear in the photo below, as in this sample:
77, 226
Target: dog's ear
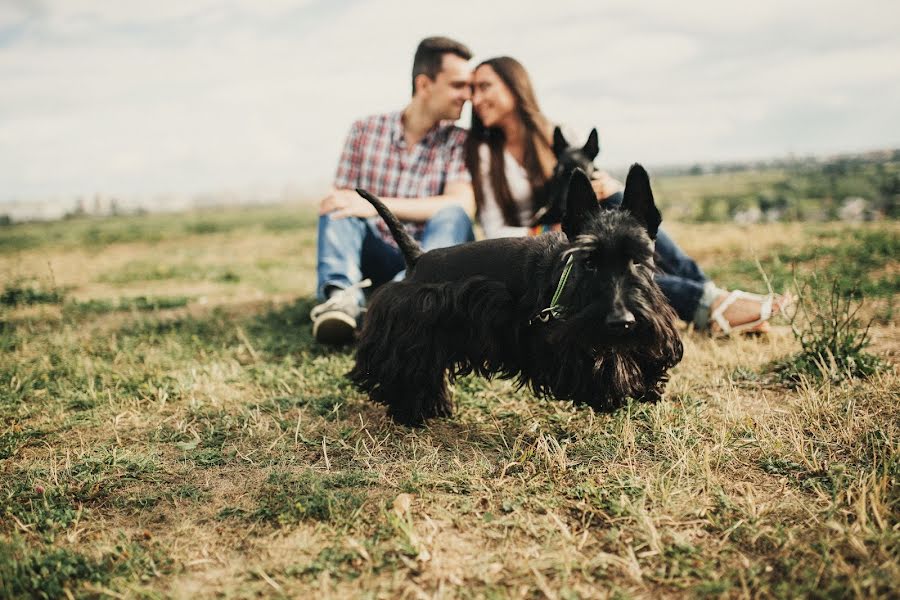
581, 201
559, 142
592, 147
639, 202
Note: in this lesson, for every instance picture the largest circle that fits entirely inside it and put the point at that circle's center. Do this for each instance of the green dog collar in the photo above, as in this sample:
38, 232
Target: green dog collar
555, 310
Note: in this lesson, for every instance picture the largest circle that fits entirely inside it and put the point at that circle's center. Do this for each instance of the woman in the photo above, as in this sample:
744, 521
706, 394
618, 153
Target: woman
509, 155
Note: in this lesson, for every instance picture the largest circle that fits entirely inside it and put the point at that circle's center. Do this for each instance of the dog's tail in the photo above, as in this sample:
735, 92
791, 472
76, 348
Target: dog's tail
408, 246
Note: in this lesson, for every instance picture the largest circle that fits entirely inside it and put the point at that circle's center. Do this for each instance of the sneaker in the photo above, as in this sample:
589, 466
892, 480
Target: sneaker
335, 320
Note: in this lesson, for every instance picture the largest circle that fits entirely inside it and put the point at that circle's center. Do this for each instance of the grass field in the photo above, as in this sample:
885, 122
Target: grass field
169, 429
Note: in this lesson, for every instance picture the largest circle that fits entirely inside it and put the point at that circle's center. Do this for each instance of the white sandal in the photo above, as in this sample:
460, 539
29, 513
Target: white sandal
765, 312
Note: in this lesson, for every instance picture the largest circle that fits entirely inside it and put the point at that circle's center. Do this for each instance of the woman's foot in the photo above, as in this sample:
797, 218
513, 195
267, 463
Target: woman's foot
743, 312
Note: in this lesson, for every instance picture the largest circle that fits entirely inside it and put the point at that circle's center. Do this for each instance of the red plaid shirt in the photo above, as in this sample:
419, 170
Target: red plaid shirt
376, 158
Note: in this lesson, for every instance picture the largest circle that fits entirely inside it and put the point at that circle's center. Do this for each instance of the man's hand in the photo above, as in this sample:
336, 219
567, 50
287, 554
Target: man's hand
604, 185
346, 203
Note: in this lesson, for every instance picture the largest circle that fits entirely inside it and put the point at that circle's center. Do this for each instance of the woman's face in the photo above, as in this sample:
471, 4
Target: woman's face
491, 98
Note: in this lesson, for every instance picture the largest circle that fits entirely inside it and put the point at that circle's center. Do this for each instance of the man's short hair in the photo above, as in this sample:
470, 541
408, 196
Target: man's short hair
430, 56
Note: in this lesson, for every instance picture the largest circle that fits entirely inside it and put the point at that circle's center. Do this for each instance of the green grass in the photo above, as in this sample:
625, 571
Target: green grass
854, 259
286, 498
833, 340
156, 271
19, 293
47, 572
858, 260
157, 442
94, 233
798, 192
137, 303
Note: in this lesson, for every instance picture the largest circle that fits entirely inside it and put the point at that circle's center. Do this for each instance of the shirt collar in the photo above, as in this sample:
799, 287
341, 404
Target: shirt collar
397, 132
397, 128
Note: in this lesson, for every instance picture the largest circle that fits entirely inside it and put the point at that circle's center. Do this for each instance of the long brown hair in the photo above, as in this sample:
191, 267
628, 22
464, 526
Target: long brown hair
538, 159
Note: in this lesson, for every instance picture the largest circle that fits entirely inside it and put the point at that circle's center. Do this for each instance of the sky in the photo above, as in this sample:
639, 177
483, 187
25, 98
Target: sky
173, 97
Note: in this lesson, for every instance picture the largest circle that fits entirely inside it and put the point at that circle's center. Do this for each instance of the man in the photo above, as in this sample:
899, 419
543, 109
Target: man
413, 160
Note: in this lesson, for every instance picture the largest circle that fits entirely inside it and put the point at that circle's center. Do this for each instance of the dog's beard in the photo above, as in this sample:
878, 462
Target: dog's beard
621, 374
624, 364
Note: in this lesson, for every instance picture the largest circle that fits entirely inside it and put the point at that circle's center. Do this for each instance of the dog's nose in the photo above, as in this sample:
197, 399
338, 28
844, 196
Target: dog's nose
620, 320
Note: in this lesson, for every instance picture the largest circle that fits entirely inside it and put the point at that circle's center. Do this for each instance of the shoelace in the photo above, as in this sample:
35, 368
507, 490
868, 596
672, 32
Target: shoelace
339, 297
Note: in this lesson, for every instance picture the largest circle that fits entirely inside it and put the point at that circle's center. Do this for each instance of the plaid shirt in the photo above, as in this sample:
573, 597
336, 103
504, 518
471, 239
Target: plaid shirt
375, 157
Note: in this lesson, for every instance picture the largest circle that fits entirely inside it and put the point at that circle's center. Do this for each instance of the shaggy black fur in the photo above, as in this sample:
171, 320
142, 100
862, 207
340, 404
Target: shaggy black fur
472, 308
568, 158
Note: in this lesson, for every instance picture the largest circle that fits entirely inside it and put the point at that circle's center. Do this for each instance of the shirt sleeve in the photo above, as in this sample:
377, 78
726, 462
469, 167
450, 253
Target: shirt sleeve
347, 175
456, 166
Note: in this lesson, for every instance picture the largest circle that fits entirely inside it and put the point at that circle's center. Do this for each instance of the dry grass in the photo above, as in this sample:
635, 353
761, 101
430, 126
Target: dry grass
213, 450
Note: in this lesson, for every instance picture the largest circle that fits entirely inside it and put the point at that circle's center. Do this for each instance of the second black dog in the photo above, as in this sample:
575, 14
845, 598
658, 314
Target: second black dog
575, 316
568, 158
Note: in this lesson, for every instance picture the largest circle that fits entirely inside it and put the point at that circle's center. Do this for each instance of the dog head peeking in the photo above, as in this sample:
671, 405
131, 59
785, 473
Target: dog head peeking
612, 292
569, 158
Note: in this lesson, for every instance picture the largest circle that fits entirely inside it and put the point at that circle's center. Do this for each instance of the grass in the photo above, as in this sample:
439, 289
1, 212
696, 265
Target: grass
832, 339
287, 498
18, 293
856, 259
55, 572
96, 234
97, 305
686, 197
182, 436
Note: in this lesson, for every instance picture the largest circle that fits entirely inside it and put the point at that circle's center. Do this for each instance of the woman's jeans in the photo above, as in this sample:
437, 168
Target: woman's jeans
351, 249
686, 287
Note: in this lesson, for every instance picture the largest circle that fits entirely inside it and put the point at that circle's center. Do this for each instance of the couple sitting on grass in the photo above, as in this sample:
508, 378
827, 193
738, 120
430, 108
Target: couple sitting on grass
437, 177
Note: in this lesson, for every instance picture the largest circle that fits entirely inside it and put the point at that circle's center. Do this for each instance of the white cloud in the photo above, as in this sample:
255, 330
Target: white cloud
133, 98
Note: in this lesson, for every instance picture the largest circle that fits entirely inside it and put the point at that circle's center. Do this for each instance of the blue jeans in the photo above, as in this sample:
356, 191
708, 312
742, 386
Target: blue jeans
686, 287
352, 249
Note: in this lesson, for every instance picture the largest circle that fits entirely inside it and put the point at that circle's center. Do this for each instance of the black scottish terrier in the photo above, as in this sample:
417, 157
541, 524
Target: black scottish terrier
568, 158
575, 316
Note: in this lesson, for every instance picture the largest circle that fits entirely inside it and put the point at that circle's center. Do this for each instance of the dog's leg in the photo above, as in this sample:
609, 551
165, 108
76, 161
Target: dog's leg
423, 397
403, 353
378, 370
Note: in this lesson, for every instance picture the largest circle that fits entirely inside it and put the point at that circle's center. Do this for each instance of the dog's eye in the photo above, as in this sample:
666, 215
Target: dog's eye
589, 264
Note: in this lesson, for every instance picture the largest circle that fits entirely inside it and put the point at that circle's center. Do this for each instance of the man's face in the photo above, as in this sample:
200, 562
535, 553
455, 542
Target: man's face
451, 89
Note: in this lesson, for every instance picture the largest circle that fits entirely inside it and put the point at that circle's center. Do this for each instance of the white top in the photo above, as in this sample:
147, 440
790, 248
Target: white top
490, 216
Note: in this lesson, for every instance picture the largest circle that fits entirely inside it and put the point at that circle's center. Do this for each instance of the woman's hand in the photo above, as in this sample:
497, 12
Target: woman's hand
604, 185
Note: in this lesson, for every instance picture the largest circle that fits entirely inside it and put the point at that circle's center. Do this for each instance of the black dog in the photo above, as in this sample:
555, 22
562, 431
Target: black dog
568, 158
578, 320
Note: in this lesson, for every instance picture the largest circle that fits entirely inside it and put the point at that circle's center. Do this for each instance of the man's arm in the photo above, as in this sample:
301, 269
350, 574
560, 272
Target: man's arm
347, 203
343, 201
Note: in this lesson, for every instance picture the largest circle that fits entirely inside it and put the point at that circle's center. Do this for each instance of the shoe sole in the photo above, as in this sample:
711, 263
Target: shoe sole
334, 327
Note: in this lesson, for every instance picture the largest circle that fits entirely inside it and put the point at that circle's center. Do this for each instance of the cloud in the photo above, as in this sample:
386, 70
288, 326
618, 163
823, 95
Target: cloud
131, 98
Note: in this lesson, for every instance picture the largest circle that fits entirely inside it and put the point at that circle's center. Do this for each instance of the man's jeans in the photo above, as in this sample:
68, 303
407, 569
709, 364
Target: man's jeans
351, 249
686, 287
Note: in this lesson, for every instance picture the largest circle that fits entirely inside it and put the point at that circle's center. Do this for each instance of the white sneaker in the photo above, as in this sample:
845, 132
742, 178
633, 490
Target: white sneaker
335, 320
